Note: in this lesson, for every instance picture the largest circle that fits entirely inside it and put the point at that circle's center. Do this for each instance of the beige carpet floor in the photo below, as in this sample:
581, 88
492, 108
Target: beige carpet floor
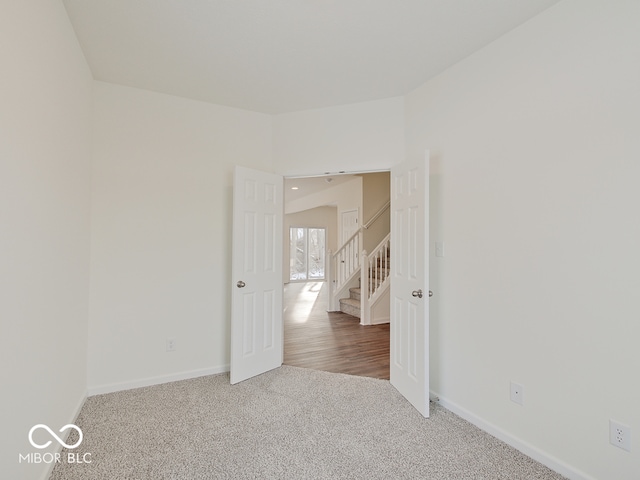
290, 423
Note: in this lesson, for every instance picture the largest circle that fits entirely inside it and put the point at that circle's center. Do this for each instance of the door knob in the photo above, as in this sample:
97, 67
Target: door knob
240, 284
417, 293
430, 293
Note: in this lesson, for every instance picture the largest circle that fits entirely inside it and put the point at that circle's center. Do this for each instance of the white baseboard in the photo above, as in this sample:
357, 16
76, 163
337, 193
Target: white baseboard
524, 447
146, 382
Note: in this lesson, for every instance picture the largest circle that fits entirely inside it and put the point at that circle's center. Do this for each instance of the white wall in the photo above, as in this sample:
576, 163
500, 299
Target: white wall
376, 192
534, 187
161, 219
45, 122
161, 233
347, 138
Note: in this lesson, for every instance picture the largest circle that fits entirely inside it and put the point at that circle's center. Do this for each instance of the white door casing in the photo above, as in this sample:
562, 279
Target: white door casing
409, 342
256, 307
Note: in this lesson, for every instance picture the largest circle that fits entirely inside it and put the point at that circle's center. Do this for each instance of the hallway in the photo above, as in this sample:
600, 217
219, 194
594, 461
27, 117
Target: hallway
333, 342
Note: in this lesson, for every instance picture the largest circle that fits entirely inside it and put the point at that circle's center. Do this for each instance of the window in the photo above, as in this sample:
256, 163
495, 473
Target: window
306, 253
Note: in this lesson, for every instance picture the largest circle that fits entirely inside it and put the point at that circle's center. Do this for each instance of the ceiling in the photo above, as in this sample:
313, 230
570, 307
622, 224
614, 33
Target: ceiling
277, 56
308, 185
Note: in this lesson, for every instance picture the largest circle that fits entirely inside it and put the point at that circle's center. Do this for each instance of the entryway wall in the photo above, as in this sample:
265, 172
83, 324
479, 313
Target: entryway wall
376, 194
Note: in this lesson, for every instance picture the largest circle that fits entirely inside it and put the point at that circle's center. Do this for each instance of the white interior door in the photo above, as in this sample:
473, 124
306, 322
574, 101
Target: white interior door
349, 225
256, 309
409, 342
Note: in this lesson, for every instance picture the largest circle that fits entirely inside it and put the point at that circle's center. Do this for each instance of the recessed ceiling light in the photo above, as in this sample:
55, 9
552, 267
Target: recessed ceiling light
294, 188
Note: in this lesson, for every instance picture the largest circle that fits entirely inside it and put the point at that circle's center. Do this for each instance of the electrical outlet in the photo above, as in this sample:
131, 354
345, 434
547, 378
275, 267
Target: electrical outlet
517, 393
620, 435
171, 345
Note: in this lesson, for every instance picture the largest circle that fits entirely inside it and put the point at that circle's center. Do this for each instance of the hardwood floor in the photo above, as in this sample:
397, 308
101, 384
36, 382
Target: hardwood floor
334, 342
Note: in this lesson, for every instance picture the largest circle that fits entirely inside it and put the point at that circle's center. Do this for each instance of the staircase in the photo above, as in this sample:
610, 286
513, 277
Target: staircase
364, 278
377, 275
351, 305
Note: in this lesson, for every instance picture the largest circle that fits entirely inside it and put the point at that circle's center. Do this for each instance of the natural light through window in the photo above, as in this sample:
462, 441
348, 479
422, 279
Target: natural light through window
304, 300
306, 253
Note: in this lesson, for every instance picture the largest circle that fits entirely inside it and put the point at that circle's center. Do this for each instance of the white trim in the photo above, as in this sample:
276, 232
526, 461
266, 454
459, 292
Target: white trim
146, 382
49, 470
541, 456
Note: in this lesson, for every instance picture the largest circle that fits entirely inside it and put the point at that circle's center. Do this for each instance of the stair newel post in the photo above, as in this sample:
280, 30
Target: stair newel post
364, 288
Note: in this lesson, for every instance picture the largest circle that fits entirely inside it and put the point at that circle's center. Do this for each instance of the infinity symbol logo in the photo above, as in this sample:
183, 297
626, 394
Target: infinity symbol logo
59, 440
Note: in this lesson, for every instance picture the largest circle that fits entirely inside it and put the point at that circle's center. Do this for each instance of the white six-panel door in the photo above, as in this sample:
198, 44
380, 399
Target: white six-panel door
256, 309
409, 343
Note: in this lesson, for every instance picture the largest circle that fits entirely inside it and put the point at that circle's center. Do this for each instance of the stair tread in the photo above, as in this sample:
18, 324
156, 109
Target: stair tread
351, 301
350, 306
358, 290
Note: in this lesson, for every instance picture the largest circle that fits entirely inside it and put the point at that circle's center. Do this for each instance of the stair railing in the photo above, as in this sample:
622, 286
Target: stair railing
344, 265
374, 273
377, 215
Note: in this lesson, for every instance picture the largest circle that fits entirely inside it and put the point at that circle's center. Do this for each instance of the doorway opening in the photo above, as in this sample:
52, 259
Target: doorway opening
316, 334
257, 326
